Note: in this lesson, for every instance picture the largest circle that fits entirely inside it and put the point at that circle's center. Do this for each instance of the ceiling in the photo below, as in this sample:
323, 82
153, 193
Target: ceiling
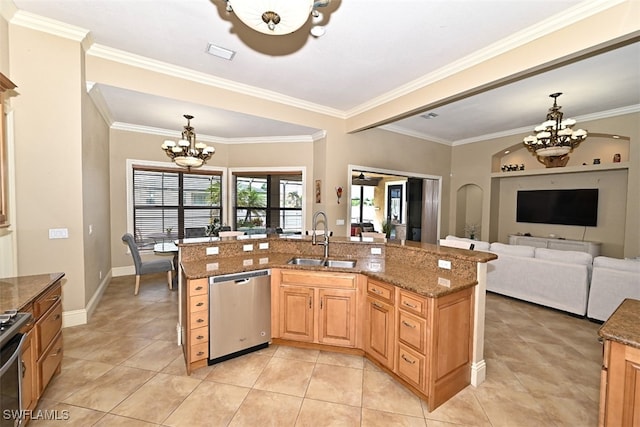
371, 49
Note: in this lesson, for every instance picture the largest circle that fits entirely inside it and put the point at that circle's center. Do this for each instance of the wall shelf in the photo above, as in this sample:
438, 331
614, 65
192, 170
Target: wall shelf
562, 170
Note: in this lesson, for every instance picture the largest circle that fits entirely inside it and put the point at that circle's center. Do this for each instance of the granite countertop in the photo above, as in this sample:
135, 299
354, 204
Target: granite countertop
623, 325
17, 292
410, 278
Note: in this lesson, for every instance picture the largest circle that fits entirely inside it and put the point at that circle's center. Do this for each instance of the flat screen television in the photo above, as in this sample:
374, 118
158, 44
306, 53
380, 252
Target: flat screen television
567, 207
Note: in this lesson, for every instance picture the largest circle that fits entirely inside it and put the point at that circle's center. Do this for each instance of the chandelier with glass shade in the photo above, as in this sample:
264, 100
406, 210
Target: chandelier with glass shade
554, 138
187, 152
278, 17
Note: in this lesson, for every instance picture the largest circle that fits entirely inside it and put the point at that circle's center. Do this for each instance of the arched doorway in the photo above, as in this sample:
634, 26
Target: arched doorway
469, 211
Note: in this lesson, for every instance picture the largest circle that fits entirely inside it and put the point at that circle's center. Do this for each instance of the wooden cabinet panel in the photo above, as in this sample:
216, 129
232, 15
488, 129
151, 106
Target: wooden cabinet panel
29, 367
317, 279
337, 324
622, 402
46, 301
411, 366
412, 331
296, 313
195, 321
379, 331
49, 363
199, 303
381, 290
48, 327
412, 303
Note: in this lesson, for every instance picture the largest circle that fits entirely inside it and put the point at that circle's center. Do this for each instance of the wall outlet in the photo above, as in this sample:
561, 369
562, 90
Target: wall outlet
247, 248
247, 262
444, 282
442, 263
263, 245
340, 222
376, 251
213, 250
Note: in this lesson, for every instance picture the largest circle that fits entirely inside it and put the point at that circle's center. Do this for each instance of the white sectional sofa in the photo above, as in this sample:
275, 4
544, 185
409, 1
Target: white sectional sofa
549, 277
612, 281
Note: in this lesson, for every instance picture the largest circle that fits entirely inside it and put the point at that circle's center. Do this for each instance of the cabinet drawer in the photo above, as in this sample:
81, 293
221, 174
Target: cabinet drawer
198, 319
42, 304
49, 363
48, 327
198, 287
318, 279
413, 303
199, 303
199, 351
410, 366
199, 335
380, 290
411, 330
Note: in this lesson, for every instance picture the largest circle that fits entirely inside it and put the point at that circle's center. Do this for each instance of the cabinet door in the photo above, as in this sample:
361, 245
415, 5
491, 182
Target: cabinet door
379, 331
29, 367
296, 313
337, 314
623, 391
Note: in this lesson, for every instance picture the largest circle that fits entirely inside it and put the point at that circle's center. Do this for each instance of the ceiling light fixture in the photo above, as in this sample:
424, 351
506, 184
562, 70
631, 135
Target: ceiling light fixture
554, 138
278, 17
187, 152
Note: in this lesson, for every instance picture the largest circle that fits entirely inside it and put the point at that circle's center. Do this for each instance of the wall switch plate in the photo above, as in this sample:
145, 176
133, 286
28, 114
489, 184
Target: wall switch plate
212, 266
444, 264
263, 261
58, 233
444, 282
214, 250
263, 245
376, 251
340, 222
247, 248
247, 262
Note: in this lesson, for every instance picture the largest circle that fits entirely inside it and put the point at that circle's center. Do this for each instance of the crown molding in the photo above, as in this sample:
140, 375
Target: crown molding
218, 139
570, 16
98, 99
123, 57
47, 25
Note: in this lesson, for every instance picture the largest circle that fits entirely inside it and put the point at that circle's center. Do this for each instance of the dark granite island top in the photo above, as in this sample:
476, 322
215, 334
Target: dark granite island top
17, 292
623, 325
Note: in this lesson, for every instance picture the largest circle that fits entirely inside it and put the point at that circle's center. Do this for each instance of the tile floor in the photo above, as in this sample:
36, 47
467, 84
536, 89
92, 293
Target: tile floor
124, 368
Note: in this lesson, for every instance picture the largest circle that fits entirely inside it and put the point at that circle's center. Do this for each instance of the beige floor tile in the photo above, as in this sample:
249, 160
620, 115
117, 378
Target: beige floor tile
307, 355
242, 371
316, 413
336, 384
462, 408
264, 408
155, 357
157, 398
506, 408
110, 420
177, 367
110, 389
373, 418
53, 414
75, 373
117, 351
341, 359
382, 393
210, 402
286, 376
571, 412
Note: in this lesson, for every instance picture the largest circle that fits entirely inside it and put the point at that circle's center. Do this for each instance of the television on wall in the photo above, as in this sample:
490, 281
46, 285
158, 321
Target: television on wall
567, 207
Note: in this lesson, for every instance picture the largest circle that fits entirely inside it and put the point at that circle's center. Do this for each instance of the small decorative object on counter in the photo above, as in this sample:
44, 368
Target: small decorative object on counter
339, 193
616, 158
471, 230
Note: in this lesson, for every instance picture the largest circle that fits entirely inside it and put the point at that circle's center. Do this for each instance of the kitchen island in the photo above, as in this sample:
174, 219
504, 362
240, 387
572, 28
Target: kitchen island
415, 310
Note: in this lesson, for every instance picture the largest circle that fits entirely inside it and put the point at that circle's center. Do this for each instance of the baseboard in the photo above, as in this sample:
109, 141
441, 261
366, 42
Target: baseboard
129, 270
81, 317
478, 373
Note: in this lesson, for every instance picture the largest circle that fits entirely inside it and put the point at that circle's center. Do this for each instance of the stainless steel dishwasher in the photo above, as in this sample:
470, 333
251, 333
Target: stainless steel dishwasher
239, 314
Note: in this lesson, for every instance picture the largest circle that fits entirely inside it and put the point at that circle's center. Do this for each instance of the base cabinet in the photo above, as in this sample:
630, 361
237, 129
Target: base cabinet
195, 323
620, 387
379, 340
317, 307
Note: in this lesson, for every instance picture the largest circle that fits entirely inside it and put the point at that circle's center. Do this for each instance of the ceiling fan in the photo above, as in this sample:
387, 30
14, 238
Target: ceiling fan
362, 179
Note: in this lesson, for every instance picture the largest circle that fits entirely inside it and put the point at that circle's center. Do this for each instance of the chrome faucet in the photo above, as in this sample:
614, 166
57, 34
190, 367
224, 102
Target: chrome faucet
314, 239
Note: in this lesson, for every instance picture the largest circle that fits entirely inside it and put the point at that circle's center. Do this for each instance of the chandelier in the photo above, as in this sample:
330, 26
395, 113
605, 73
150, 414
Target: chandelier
278, 17
554, 138
187, 152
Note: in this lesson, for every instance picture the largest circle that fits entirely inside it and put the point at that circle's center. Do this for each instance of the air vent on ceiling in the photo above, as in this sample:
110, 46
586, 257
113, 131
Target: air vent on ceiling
429, 116
220, 52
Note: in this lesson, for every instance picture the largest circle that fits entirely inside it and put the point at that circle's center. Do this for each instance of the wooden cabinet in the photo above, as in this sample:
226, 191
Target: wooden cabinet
195, 323
318, 307
29, 365
5, 85
379, 339
620, 386
47, 311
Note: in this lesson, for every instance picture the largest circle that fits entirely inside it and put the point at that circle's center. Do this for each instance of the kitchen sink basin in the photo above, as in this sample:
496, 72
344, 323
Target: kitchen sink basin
336, 263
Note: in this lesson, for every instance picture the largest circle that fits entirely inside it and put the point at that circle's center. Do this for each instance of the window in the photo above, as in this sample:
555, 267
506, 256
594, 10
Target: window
170, 200
268, 201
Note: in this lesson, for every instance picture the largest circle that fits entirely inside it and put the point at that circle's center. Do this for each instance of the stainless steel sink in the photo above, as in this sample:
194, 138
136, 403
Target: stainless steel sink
336, 263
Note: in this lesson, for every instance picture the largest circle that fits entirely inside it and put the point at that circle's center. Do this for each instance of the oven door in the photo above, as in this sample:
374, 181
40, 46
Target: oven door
11, 382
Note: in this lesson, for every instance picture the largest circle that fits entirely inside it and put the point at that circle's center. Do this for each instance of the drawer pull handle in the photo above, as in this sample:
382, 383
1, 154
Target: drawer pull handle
409, 305
200, 353
310, 301
54, 298
199, 337
200, 320
57, 353
199, 288
408, 360
408, 324
375, 304
375, 291
56, 317
200, 304
24, 367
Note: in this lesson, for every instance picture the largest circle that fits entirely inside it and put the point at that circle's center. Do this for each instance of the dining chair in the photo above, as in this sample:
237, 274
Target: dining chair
146, 267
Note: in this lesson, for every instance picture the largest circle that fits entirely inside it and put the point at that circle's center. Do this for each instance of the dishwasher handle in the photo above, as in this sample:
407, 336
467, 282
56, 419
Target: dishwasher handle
239, 277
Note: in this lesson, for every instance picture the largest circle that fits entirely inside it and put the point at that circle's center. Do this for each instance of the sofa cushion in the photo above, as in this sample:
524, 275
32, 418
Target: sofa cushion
513, 250
478, 245
617, 264
569, 257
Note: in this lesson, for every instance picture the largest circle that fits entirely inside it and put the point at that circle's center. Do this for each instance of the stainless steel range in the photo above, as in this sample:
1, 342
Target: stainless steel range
11, 367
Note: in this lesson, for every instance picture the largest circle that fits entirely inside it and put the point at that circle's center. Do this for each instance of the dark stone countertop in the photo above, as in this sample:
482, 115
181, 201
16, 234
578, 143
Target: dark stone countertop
17, 292
623, 325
